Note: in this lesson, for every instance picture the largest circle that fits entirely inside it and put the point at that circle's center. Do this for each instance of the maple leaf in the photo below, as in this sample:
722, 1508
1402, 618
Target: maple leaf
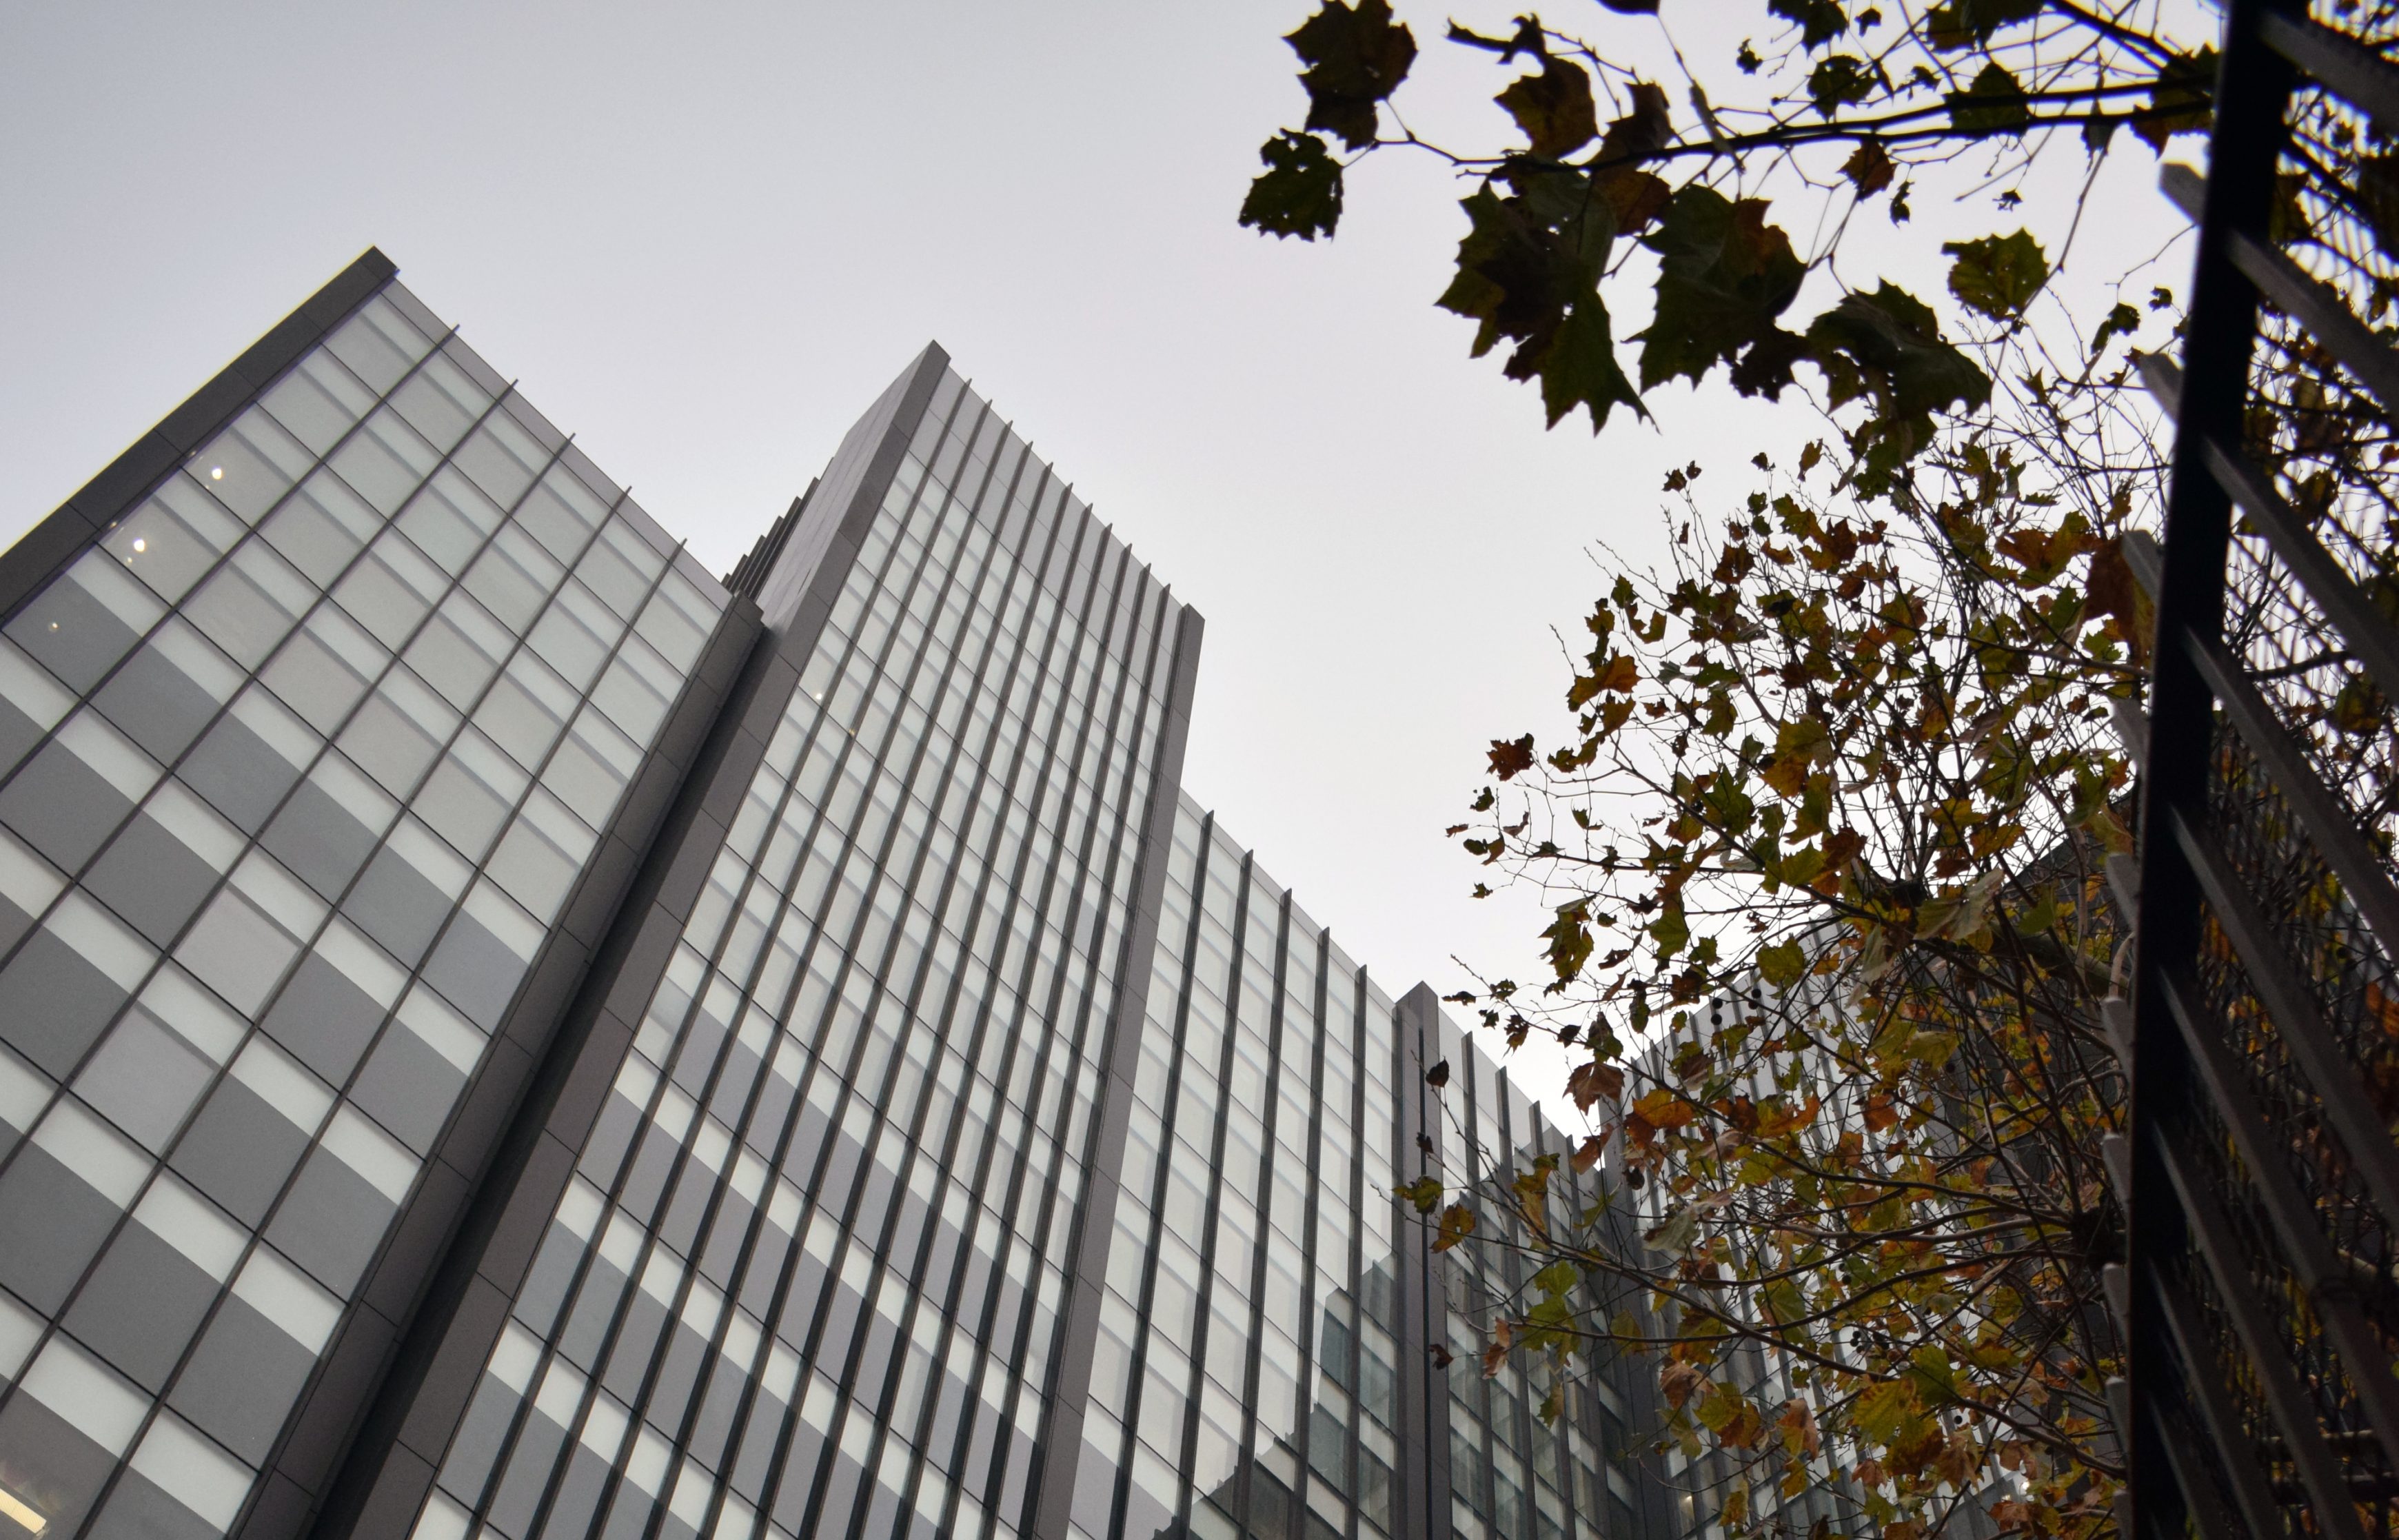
1553, 108
1724, 275
1299, 193
1510, 758
1869, 167
1994, 103
1356, 57
1998, 274
1591, 1080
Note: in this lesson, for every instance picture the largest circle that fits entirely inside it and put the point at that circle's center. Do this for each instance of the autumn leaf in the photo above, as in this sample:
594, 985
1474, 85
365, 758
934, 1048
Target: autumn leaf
1782, 963
1935, 1377
1731, 1416
1457, 1224
2110, 590
1590, 1081
1356, 57
1438, 1076
1569, 939
1511, 758
1579, 368
1532, 1190
1869, 167
1663, 1109
1679, 1381
1887, 1412
1553, 108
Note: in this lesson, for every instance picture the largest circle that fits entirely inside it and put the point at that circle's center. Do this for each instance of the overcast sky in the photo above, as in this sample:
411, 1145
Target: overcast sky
703, 237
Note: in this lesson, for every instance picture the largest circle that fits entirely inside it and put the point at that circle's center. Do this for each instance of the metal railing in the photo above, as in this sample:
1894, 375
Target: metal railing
2263, 1242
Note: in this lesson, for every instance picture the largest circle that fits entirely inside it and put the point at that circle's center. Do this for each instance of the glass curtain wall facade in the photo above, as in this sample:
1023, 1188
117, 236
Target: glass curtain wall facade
1262, 1364
1511, 1473
299, 762
811, 1267
1246, 1368
503, 1035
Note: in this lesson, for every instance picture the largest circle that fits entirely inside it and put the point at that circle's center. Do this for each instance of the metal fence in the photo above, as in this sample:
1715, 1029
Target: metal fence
2263, 1278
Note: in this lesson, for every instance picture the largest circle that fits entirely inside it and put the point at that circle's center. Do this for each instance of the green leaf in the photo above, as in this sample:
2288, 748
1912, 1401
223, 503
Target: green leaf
1998, 274
1579, 369
1299, 193
1935, 1376
1819, 20
1970, 23
1569, 939
1840, 81
1892, 342
1356, 57
1993, 105
1553, 108
1782, 965
1424, 1192
1528, 270
1671, 931
1724, 273
1887, 1412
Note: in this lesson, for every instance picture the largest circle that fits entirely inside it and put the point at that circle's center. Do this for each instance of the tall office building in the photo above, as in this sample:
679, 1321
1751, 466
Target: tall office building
508, 1034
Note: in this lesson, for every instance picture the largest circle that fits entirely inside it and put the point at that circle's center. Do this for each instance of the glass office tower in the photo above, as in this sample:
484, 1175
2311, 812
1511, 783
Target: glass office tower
504, 1035
1261, 1363
326, 717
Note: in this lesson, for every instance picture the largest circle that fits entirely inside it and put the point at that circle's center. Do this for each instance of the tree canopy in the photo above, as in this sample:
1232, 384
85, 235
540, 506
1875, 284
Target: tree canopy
1822, 840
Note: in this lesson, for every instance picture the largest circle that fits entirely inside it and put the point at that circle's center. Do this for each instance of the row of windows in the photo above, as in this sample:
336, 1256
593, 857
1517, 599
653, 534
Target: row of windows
1197, 1404
864, 814
1510, 1473
297, 762
1184, 1365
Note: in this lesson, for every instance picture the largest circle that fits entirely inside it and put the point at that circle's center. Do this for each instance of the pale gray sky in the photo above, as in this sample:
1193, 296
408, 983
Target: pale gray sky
704, 237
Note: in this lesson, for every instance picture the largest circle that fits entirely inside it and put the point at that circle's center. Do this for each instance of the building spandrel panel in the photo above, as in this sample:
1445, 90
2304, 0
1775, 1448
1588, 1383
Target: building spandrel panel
302, 756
